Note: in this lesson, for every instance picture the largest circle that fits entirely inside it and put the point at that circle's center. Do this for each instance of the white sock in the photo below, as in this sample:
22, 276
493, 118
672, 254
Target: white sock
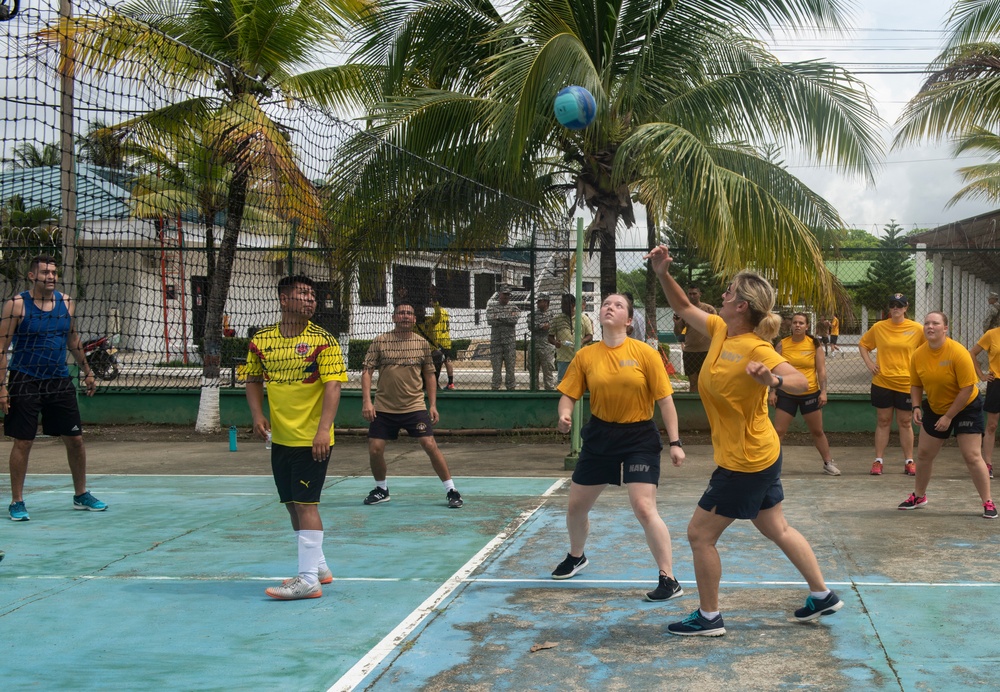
322, 557
310, 550
878, 459
382, 484
819, 595
449, 485
708, 616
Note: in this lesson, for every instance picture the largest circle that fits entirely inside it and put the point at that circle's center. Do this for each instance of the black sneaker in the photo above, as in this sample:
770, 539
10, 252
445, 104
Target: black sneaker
454, 499
668, 588
377, 496
818, 608
697, 625
569, 567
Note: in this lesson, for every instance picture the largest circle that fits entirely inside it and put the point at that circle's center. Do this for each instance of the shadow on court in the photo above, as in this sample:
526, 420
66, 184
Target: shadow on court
166, 589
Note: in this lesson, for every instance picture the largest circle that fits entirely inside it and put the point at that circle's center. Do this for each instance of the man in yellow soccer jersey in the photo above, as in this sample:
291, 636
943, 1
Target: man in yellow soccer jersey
304, 367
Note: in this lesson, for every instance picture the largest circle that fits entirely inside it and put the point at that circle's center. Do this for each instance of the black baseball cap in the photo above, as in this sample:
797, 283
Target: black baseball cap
898, 299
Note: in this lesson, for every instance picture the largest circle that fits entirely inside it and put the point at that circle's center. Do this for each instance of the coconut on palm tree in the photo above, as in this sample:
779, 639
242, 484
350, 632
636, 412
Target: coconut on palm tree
689, 107
243, 59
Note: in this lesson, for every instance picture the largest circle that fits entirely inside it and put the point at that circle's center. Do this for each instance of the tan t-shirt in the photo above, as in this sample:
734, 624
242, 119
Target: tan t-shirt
401, 361
695, 341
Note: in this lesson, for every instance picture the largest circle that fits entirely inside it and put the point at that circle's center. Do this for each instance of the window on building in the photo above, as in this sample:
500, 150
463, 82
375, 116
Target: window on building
486, 286
371, 284
412, 284
453, 287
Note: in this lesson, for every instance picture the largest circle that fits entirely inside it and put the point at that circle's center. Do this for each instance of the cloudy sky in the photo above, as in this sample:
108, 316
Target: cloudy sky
891, 40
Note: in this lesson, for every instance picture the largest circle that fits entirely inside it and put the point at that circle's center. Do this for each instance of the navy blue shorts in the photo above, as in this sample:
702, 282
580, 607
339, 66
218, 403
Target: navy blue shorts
386, 426
992, 403
617, 452
741, 495
890, 398
968, 421
298, 477
790, 403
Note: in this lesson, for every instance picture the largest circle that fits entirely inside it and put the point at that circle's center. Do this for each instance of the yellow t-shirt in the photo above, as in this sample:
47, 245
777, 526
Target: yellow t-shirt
942, 373
401, 361
895, 344
442, 326
990, 342
802, 357
834, 326
295, 369
624, 382
742, 434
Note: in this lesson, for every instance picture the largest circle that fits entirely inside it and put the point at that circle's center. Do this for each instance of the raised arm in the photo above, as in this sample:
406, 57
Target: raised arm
660, 259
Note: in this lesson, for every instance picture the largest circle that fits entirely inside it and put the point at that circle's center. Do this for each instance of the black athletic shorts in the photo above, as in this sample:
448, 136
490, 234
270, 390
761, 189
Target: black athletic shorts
298, 477
741, 495
386, 426
968, 421
790, 403
992, 403
833, 338
693, 362
616, 452
54, 399
890, 398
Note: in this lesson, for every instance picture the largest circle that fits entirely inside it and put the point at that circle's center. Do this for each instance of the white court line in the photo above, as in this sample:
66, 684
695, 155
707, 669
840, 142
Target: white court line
567, 582
377, 654
257, 475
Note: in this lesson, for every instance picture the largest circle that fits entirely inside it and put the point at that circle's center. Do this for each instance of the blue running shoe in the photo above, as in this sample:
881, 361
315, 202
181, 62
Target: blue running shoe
696, 625
817, 608
88, 503
17, 511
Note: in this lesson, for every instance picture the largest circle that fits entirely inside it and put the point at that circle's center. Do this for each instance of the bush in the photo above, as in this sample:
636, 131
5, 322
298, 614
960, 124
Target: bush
234, 348
356, 350
460, 344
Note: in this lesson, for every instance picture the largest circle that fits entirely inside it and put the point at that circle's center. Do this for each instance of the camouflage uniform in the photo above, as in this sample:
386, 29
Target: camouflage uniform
503, 341
541, 321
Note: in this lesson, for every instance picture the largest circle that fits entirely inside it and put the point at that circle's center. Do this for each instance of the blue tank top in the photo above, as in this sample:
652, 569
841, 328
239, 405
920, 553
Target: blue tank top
40, 340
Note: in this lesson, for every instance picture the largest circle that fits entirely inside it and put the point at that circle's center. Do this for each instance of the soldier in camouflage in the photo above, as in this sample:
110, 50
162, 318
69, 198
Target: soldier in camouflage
502, 317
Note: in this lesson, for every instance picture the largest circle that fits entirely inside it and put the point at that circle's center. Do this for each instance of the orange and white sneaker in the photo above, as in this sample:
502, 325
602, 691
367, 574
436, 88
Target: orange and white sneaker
294, 589
876, 468
910, 469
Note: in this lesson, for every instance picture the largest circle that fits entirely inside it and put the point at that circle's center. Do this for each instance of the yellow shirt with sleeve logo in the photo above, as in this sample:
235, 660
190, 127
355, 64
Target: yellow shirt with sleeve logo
802, 357
743, 437
942, 373
990, 342
296, 368
625, 382
834, 326
895, 344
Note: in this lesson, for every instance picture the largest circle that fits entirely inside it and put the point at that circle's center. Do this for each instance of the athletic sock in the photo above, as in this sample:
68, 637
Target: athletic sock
878, 459
819, 595
384, 485
449, 485
322, 557
708, 616
310, 550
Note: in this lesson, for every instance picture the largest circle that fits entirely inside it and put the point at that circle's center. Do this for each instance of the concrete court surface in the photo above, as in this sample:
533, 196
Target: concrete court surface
918, 585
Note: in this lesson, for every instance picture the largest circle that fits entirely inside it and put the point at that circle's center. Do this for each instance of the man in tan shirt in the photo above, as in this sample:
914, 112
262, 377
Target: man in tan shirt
695, 343
405, 371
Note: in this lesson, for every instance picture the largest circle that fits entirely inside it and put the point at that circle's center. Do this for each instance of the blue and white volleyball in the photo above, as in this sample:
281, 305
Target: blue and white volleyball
575, 107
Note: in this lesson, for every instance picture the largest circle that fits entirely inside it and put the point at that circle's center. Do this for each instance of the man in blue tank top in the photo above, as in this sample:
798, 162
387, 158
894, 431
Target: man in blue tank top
39, 323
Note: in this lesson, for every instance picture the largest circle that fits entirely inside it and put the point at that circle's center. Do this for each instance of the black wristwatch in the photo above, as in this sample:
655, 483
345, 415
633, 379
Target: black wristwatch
676, 443
781, 381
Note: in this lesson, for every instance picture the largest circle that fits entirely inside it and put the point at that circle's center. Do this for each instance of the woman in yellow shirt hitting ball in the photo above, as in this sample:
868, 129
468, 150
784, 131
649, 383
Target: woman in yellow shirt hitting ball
740, 366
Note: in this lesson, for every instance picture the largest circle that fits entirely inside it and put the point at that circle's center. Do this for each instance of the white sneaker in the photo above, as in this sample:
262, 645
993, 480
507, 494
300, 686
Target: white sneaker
294, 589
830, 469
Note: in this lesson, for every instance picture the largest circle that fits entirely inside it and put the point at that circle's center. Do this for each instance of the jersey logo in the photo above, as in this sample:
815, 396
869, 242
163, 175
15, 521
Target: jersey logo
301, 348
628, 363
944, 364
731, 356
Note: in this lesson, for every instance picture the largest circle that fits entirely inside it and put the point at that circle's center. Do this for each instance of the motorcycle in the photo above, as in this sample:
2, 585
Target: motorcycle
101, 357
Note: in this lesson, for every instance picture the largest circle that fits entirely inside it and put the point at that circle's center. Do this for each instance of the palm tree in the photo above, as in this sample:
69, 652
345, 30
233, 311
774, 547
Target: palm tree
689, 109
249, 53
27, 155
960, 99
25, 233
